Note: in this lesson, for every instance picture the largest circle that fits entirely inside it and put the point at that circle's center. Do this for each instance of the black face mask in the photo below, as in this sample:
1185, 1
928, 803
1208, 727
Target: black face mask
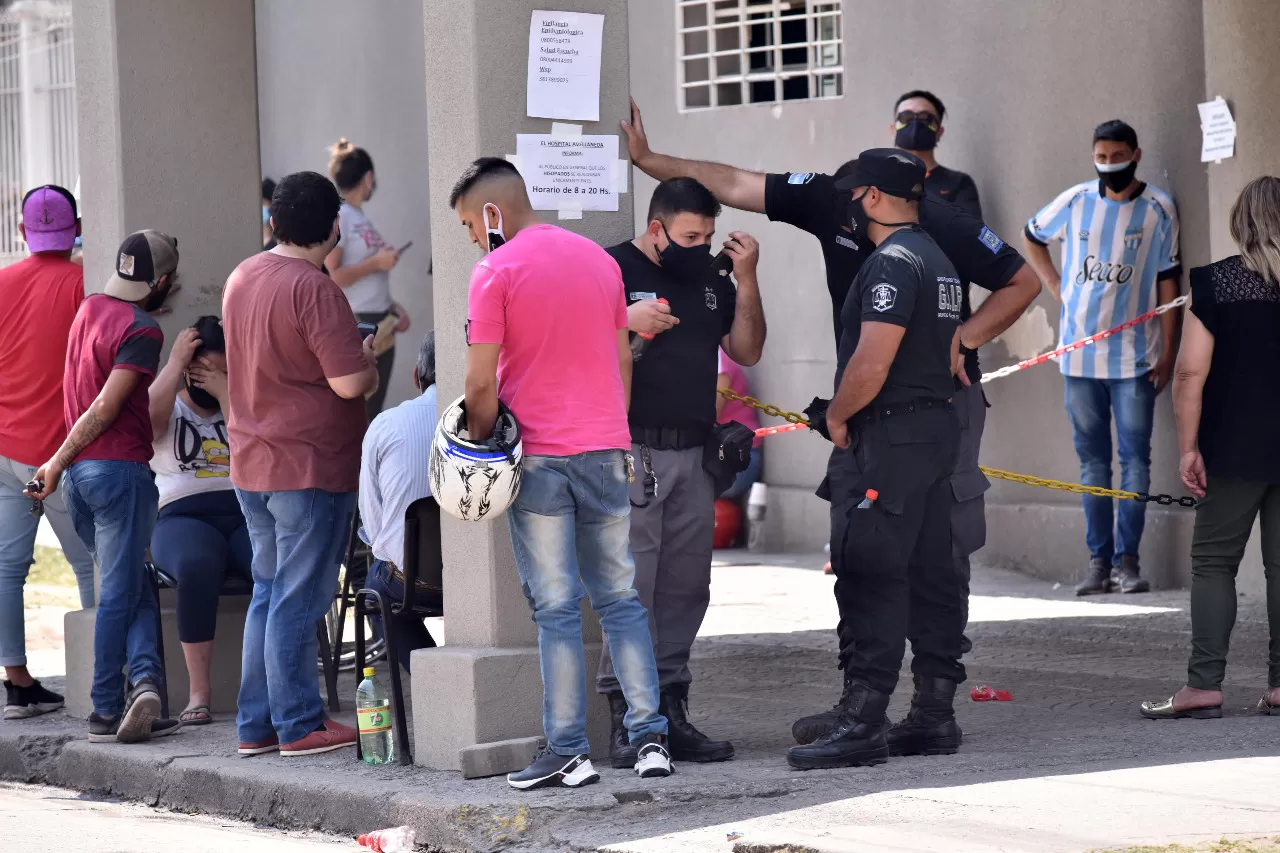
917, 136
685, 262
1117, 180
201, 397
861, 221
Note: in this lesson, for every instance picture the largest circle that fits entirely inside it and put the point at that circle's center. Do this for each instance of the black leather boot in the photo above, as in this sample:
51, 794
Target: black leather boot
858, 739
930, 726
621, 753
810, 728
684, 741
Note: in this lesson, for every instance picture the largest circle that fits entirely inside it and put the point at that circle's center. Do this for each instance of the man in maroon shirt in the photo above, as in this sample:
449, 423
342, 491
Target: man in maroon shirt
112, 356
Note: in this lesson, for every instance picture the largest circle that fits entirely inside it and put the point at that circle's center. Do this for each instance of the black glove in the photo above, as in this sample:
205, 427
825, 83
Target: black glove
817, 415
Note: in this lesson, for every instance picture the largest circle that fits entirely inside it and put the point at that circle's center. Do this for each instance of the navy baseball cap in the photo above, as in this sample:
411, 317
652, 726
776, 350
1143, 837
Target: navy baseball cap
890, 170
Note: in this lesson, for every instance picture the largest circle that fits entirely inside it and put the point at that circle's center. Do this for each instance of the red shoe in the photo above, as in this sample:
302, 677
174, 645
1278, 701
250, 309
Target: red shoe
271, 744
330, 736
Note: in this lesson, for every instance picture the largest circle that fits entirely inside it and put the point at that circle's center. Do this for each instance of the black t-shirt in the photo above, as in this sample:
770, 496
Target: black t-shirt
956, 187
908, 282
811, 202
674, 384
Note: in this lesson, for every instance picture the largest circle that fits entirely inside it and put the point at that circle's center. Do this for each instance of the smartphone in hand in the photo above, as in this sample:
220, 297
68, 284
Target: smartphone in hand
722, 263
401, 250
367, 329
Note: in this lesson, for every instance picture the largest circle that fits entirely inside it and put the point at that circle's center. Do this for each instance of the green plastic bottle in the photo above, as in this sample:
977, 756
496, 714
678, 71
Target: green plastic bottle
373, 712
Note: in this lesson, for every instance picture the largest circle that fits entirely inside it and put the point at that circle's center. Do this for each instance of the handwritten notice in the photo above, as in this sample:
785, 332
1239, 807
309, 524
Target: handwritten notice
1219, 131
564, 65
569, 173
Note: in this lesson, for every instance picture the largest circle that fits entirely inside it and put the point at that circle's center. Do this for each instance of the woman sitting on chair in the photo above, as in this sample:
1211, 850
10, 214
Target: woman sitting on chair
200, 536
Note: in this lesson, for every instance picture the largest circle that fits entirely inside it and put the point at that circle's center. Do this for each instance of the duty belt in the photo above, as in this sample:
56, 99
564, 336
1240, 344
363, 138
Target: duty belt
669, 438
876, 412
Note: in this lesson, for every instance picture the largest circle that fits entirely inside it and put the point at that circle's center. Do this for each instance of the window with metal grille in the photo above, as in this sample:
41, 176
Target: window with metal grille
734, 52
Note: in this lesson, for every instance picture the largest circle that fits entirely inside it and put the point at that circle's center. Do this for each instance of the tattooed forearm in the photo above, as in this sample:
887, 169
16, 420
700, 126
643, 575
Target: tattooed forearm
84, 433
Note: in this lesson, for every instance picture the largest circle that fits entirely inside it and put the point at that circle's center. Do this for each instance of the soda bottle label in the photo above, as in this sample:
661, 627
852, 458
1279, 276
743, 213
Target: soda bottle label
374, 720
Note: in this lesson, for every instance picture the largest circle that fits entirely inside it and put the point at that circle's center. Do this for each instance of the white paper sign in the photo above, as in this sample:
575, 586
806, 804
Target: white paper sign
569, 173
564, 65
1219, 130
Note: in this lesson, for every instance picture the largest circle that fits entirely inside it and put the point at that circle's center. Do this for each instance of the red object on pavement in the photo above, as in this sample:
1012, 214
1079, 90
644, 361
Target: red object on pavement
986, 693
728, 523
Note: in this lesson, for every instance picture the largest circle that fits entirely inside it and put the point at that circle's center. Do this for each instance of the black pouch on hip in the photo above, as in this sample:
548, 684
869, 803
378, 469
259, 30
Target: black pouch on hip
727, 453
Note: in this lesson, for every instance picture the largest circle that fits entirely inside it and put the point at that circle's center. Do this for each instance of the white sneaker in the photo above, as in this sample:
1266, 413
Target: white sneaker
652, 759
555, 771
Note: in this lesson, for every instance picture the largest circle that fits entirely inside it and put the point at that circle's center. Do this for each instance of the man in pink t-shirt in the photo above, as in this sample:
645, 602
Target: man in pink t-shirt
547, 335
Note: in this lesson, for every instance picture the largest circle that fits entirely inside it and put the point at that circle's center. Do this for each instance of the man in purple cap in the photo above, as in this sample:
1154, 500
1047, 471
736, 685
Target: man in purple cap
112, 356
41, 295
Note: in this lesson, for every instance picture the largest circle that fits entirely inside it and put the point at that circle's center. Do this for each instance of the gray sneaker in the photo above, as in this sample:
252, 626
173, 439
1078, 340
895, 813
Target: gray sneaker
1098, 580
1130, 579
140, 710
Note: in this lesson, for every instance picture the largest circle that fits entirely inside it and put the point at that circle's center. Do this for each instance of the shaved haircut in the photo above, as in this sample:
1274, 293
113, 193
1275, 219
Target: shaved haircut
484, 171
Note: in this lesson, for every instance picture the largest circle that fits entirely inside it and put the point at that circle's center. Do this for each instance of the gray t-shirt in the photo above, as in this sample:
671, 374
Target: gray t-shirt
360, 240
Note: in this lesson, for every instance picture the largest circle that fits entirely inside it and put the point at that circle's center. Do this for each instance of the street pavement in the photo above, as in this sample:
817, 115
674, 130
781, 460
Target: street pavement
1068, 765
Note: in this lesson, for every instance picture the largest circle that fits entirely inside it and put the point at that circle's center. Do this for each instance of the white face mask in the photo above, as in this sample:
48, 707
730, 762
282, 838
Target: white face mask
1116, 176
1107, 168
494, 235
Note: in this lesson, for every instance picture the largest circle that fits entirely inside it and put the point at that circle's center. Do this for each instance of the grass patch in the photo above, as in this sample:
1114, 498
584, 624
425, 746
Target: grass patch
51, 569
1244, 845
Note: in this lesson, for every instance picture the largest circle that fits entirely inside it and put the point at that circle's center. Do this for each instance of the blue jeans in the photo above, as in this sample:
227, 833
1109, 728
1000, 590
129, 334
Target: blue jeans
747, 477
113, 506
406, 630
1090, 403
570, 529
298, 539
17, 551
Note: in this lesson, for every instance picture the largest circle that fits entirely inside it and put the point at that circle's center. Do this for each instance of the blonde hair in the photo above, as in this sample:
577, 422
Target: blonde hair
348, 164
1255, 226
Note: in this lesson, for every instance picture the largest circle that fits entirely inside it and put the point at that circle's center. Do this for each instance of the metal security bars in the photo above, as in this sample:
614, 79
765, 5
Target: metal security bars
733, 52
38, 137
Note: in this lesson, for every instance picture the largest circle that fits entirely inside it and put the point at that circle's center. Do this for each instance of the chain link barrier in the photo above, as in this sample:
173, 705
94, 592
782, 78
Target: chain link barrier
799, 421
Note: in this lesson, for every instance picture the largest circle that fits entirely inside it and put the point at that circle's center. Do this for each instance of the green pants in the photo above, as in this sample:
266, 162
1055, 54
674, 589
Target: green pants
1224, 520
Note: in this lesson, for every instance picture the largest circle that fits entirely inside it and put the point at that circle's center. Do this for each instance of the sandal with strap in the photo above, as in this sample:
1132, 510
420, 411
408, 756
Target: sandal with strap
196, 716
1165, 711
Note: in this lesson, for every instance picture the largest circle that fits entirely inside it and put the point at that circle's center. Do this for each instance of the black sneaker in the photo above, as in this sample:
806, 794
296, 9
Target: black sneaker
141, 709
1098, 580
652, 759
164, 727
103, 729
23, 702
555, 771
1128, 576
622, 755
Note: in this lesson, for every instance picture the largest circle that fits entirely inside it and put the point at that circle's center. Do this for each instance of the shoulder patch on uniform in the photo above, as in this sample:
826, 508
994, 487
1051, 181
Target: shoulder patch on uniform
800, 178
989, 239
883, 297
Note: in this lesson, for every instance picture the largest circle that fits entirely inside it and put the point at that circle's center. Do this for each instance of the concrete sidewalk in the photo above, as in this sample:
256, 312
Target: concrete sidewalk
1077, 669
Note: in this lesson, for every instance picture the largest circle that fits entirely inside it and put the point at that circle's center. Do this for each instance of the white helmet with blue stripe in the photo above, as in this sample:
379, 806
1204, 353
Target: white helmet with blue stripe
475, 480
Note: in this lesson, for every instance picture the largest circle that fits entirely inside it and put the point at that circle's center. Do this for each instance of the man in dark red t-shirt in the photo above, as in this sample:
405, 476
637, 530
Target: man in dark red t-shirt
112, 356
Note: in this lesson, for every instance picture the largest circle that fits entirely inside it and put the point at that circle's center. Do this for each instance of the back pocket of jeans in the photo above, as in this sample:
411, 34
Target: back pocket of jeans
614, 495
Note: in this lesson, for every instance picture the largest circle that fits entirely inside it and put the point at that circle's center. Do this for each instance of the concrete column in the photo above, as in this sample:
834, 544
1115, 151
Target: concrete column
485, 687
1240, 37
37, 115
168, 123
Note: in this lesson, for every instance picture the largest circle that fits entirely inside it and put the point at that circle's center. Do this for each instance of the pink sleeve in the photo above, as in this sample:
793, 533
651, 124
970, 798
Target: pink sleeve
486, 306
620, 321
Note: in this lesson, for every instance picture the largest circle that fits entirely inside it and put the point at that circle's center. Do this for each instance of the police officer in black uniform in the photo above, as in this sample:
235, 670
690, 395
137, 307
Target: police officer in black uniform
811, 202
897, 438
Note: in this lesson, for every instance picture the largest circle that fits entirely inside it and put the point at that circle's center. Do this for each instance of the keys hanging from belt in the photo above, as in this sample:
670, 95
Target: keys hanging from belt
650, 478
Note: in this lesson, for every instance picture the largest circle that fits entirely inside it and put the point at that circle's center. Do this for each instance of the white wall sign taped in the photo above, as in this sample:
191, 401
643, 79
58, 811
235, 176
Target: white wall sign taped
564, 65
567, 173
564, 130
1218, 131
621, 175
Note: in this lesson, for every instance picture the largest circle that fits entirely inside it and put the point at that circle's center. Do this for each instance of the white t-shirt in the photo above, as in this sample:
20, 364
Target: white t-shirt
192, 457
360, 240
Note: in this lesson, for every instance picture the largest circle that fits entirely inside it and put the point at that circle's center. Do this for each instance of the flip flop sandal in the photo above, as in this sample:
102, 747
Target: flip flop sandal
1165, 711
197, 716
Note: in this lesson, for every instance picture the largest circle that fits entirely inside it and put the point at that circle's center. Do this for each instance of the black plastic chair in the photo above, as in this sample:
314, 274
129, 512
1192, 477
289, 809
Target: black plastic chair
423, 596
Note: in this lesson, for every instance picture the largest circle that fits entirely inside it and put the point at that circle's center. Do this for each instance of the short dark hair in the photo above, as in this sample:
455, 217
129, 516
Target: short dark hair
928, 96
425, 369
477, 172
1116, 131
681, 195
268, 189
209, 328
62, 191
303, 208
348, 164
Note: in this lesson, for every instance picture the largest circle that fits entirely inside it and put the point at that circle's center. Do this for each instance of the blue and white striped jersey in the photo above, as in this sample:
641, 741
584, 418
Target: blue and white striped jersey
1113, 252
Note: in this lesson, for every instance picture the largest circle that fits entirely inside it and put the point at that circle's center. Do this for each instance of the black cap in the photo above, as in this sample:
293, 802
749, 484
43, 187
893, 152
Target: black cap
890, 170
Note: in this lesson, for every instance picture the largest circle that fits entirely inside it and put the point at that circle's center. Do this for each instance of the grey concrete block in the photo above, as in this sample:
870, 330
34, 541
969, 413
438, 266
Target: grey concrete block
494, 759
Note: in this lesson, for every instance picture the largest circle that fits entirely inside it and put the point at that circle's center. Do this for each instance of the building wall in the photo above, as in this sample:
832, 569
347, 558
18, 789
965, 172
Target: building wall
1023, 93
328, 69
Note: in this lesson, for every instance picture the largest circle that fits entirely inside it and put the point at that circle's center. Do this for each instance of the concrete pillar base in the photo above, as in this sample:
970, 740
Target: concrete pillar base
493, 700
224, 675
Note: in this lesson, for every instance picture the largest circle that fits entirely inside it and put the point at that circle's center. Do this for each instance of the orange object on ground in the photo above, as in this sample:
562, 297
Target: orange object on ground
728, 523
986, 693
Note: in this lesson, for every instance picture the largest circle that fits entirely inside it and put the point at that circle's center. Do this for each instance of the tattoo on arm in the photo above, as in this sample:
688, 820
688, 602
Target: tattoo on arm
84, 433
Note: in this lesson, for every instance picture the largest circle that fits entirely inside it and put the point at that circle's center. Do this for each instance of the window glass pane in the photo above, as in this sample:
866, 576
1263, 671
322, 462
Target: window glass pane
695, 43
728, 38
826, 55
728, 94
795, 88
697, 97
695, 70
827, 28
695, 15
726, 65
762, 92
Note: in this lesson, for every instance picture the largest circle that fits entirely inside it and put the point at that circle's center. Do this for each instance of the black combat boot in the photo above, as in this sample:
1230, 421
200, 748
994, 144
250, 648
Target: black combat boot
810, 728
684, 741
930, 726
858, 739
621, 753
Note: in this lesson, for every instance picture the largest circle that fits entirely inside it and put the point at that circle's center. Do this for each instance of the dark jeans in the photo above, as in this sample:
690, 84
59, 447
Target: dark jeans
895, 571
407, 631
200, 541
373, 405
1224, 520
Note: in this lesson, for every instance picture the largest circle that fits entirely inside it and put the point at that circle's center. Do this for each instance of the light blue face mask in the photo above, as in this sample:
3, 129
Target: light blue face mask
266, 215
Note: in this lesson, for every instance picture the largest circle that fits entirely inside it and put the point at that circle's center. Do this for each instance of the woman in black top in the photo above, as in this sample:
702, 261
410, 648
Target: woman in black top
1226, 397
